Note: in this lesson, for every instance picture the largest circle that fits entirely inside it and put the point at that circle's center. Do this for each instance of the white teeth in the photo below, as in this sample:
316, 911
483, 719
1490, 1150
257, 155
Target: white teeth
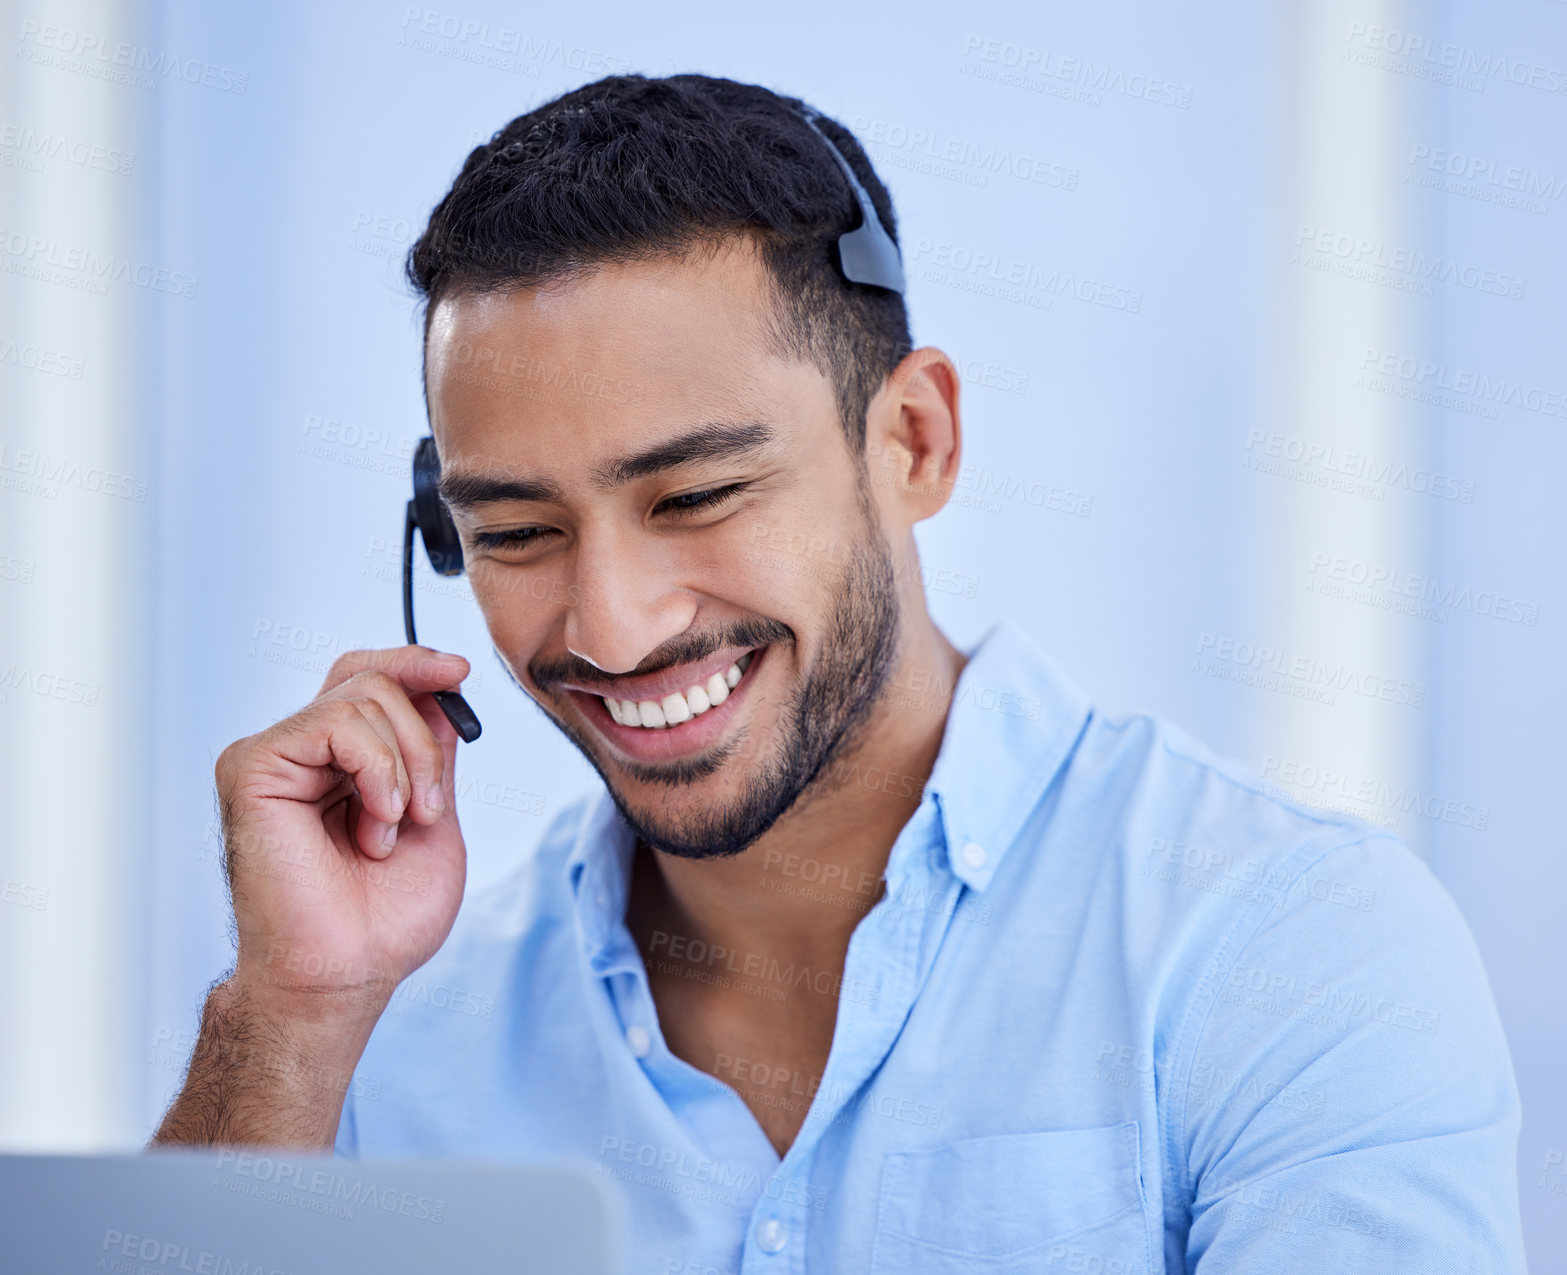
677, 707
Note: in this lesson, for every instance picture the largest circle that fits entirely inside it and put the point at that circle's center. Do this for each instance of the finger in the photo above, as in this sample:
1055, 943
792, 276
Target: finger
446, 735
337, 734
418, 668
417, 745
380, 831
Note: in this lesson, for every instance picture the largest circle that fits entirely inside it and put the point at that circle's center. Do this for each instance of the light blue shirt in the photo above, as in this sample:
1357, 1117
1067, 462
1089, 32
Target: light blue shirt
1122, 1010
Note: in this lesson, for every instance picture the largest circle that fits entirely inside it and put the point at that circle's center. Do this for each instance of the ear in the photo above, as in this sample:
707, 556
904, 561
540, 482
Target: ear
913, 437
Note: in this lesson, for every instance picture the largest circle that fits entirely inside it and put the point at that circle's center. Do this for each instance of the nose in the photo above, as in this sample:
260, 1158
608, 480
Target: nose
627, 605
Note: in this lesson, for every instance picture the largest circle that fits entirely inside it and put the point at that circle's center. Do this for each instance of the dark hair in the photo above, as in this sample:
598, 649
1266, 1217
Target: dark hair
630, 168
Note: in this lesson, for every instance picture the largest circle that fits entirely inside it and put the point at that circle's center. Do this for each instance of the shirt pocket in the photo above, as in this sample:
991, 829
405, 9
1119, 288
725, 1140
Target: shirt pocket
1057, 1200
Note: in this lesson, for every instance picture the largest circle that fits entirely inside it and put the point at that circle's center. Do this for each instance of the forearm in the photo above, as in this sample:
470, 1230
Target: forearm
268, 1074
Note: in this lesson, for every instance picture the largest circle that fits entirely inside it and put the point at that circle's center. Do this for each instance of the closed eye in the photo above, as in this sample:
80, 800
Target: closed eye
703, 499
685, 504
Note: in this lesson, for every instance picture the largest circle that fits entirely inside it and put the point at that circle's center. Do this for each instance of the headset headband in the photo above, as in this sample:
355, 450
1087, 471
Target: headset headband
866, 254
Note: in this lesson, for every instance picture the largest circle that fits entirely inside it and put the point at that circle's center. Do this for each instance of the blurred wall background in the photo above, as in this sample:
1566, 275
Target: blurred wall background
1265, 441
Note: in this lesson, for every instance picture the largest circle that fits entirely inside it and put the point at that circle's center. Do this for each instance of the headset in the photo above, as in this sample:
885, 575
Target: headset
867, 254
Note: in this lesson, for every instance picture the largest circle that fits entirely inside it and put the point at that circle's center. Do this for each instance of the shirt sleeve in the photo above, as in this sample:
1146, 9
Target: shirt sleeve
1348, 1100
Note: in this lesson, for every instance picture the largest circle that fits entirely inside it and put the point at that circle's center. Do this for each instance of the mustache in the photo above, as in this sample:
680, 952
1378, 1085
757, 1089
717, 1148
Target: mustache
686, 648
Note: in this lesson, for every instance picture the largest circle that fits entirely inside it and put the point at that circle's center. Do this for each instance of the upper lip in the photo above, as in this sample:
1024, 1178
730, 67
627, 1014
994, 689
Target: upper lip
655, 686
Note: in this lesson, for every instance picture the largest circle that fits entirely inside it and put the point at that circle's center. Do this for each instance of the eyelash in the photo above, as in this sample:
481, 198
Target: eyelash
710, 498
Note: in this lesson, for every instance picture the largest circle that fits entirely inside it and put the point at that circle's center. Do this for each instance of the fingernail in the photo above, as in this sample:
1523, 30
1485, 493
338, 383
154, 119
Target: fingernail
435, 799
389, 837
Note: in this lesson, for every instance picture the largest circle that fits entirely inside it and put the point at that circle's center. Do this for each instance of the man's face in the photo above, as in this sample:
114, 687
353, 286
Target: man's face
579, 429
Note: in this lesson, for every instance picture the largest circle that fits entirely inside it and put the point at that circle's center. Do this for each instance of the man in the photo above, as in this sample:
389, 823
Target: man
874, 954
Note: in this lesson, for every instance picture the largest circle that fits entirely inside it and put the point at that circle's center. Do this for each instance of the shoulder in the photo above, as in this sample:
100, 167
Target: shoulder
1167, 771
1191, 831
1320, 1001
1220, 880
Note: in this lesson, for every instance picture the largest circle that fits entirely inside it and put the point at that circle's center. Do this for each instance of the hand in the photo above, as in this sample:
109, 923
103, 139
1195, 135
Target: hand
344, 859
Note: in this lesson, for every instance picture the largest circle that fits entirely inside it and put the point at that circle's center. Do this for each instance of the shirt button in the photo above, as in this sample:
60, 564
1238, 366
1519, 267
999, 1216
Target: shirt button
974, 855
639, 1040
771, 1236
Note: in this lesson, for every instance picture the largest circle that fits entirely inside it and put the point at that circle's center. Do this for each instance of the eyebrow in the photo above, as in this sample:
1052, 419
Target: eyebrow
713, 440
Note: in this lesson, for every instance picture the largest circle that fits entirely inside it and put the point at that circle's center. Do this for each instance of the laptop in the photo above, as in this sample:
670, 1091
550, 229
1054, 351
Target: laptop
251, 1211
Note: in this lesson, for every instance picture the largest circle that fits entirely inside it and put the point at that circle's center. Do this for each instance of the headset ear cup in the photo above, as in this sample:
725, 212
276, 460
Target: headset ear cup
442, 544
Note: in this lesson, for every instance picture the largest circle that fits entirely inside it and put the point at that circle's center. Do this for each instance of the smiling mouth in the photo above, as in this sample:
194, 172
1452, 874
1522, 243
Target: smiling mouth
679, 706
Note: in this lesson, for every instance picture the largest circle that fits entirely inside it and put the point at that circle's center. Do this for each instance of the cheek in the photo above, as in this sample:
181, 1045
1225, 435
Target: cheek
799, 557
520, 605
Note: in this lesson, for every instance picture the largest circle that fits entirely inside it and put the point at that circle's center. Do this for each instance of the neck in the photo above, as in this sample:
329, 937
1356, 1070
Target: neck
803, 886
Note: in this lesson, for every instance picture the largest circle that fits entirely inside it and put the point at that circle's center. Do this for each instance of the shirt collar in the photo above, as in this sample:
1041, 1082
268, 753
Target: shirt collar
1014, 719
599, 869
